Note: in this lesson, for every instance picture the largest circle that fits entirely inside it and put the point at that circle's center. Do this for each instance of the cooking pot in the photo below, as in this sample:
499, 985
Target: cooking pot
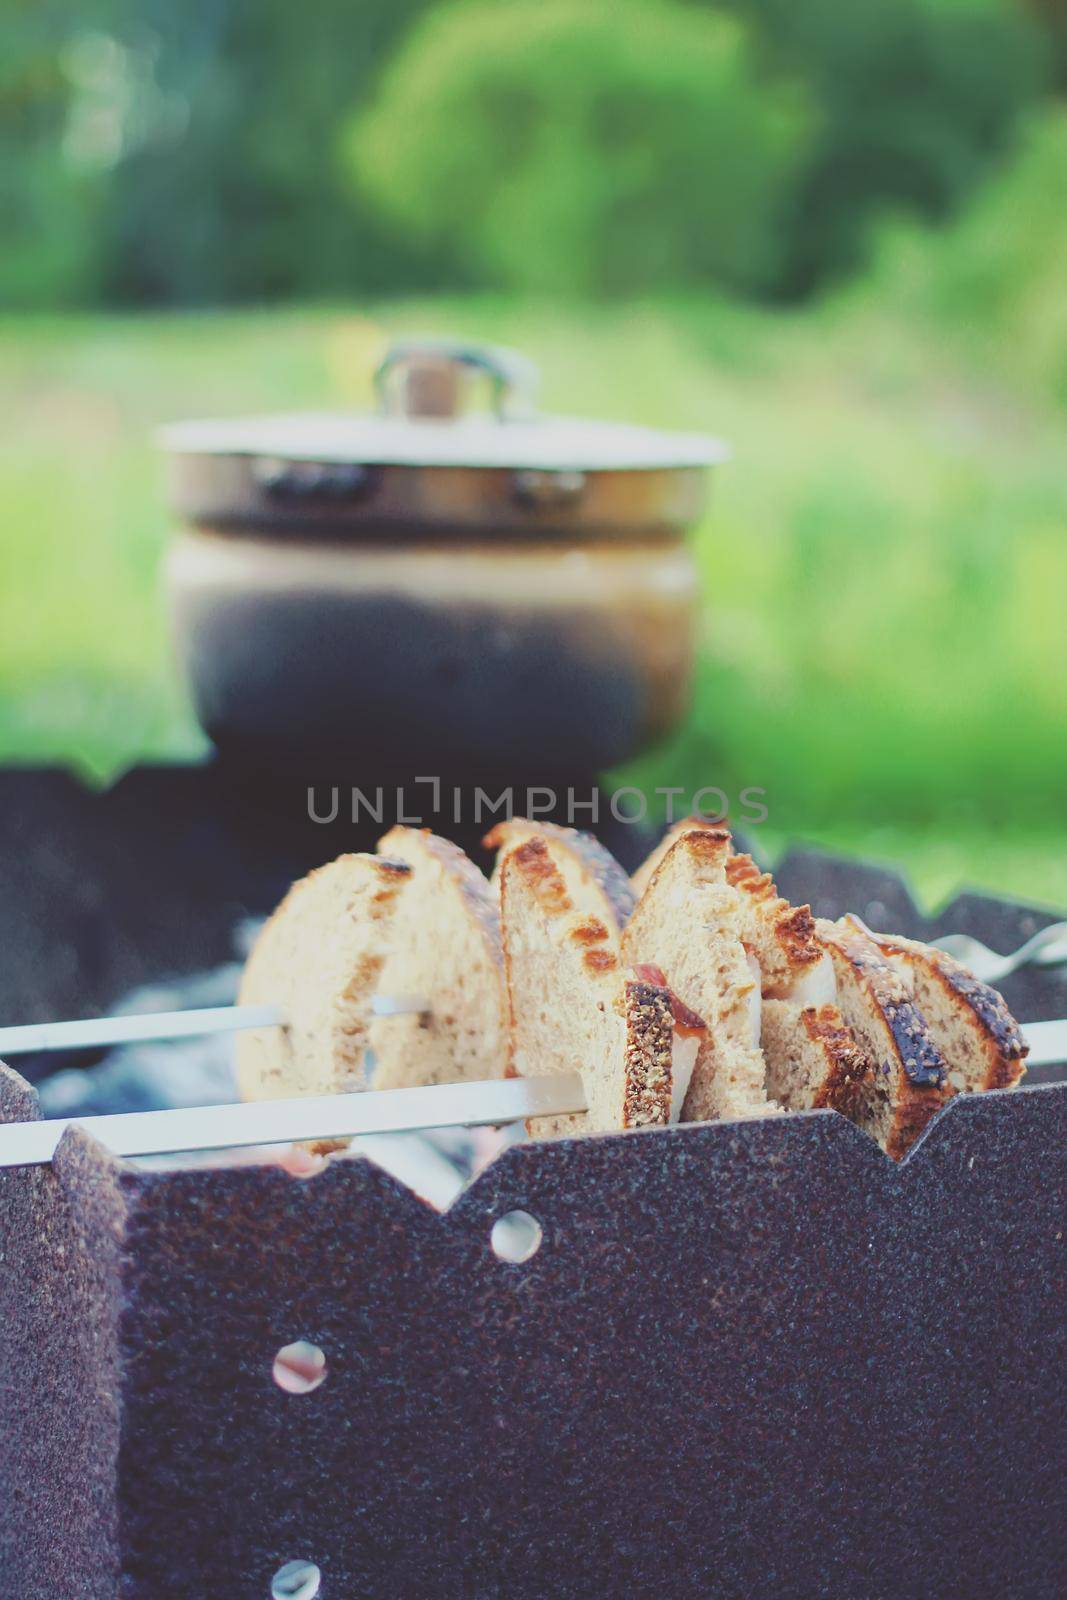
433, 586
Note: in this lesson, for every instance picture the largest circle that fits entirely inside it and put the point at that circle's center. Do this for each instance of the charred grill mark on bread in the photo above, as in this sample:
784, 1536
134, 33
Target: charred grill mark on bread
319, 958
593, 939
908, 1085
607, 886
482, 906
977, 1033
532, 859
782, 936
849, 1065
918, 1054
571, 1007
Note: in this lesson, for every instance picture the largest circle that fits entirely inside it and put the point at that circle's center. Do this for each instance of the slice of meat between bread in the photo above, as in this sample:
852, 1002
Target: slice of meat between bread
909, 1081
969, 1021
572, 1006
686, 922
320, 959
446, 953
595, 881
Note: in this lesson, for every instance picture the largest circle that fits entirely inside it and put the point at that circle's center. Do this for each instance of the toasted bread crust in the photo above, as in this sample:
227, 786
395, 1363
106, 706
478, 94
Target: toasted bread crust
472, 884
641, 879
848, 1066
919, 1056
595, 860
977, 1006
913, 1079
792, 927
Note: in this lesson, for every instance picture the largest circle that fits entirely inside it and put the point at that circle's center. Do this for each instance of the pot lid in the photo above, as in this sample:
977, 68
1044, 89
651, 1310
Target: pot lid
423, 388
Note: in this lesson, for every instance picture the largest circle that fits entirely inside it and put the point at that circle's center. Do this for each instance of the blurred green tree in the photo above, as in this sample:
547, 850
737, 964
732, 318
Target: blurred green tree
586, 146
49, 199
1000, 270
918, 99
155, 153
240, 193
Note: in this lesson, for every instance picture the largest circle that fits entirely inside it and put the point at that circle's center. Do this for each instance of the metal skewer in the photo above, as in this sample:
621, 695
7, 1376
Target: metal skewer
338, 1116
99, 1031
333, 1116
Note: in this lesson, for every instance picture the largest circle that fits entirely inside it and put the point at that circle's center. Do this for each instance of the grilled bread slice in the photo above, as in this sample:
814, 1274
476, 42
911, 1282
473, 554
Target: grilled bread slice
447, 955
640, 880
813, 1058
572, 1006
909, 1081
594, 880
969, 1022
320, 959
780, 936
685, 922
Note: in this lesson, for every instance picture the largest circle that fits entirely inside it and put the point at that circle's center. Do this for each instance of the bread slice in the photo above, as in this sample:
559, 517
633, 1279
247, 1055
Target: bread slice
686, 922
594, 880
781, 936
447, 952
640, 880
909, 1082
814, 1061
973, 1028
319, 959
573, 1008
813, 1058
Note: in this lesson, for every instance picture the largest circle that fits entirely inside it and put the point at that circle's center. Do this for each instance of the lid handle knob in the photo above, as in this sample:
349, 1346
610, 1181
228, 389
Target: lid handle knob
425, 378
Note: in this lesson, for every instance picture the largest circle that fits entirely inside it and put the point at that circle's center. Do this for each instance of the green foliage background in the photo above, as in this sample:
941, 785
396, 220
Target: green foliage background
586, 146
835, 234
203, 152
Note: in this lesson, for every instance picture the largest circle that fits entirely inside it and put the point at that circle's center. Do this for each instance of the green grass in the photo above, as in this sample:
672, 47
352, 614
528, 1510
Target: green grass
885, 559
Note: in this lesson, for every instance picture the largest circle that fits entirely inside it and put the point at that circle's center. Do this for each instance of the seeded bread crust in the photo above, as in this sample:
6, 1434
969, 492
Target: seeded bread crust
973, 1027
646, 1008
595, 877
910, 1079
